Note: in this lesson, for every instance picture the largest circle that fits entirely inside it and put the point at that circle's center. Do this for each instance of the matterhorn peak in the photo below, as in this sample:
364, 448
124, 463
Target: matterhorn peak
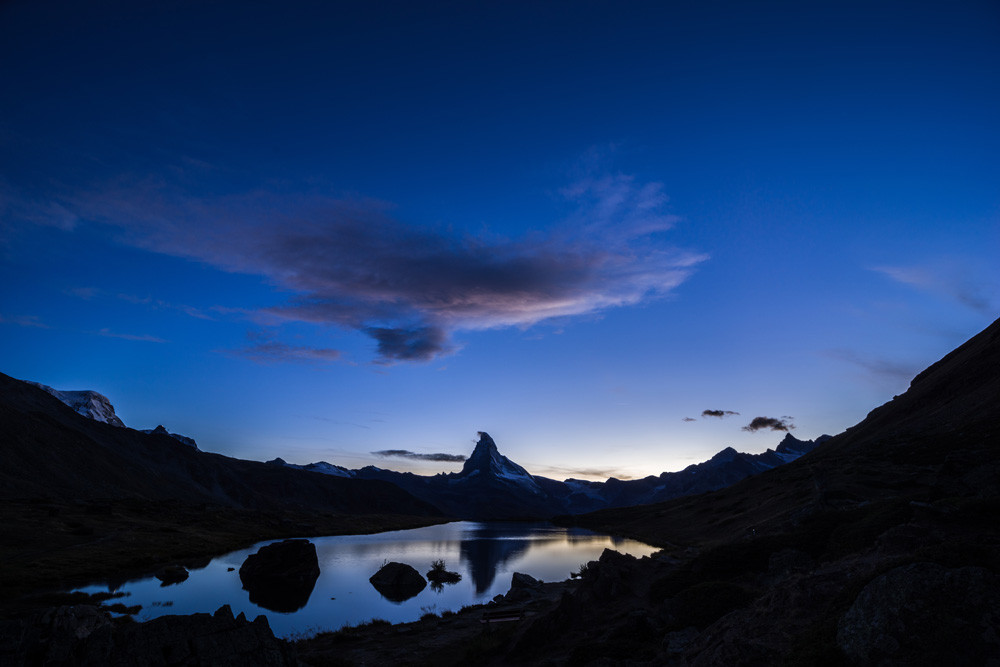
487, 462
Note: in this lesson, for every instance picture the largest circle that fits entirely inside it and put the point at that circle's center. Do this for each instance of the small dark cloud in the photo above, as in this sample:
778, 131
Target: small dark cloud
689, 419
772, 423
416, 344
718, 413
407, 454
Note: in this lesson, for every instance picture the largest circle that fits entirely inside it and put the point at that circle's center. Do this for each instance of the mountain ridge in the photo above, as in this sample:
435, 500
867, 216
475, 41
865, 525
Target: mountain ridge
491, 486
51, 451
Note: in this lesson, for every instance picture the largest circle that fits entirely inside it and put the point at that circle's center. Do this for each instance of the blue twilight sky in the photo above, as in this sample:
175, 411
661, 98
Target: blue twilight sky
318, 230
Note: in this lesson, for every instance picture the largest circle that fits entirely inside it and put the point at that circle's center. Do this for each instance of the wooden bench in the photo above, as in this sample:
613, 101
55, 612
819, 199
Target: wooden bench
502, 616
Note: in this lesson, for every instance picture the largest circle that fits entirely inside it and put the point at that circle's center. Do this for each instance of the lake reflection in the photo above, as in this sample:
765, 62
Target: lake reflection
485, 554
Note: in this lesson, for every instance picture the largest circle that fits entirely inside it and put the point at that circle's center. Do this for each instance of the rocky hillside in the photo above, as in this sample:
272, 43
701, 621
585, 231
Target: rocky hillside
880, 547
51, 452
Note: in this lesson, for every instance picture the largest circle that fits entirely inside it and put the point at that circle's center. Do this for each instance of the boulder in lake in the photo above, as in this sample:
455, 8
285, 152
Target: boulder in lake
397, 581
171, 574
281, 576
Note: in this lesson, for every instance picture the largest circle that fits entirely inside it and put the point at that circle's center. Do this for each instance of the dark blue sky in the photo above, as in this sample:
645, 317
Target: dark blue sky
317, 230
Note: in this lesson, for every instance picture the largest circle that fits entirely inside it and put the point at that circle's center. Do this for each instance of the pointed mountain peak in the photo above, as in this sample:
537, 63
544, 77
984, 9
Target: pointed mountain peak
488, 463
484, 457
727, 454
791, 442
485, 444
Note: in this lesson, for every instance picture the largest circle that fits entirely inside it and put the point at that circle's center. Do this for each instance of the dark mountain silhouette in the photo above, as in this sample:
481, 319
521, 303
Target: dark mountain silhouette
50, 451
491, 486
725, 468
941, 436
882, 546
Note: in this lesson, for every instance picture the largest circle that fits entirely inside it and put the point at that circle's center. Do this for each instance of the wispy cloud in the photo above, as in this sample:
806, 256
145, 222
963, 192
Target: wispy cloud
91, 293
569, 472
107, 333
407, 454
410, 289
949, 278
265, 350
771, 423
24, 321
882, 370
46, 213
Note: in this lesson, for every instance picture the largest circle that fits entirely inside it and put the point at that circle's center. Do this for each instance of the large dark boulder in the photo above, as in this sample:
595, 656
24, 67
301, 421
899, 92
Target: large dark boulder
397, 581
171, 574
281, 576
925, 614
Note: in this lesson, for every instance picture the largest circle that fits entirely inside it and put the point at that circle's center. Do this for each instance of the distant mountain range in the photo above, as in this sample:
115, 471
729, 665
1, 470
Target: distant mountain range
491, 486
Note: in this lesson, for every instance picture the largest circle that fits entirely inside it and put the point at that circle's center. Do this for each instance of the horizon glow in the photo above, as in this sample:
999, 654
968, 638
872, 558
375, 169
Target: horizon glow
330, 230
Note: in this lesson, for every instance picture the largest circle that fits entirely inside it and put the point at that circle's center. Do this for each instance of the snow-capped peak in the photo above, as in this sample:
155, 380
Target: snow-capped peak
487, 461
86, 402
328, 469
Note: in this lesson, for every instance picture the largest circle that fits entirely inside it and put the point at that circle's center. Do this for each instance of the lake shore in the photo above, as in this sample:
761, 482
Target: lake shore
53, 546
458, 638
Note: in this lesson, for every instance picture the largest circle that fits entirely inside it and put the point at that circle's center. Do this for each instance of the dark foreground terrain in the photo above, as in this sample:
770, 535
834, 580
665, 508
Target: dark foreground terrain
880, 547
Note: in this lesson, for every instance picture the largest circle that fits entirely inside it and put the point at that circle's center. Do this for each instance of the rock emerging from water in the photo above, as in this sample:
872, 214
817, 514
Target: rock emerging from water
281, 576
171, 574
441, 576
397, 581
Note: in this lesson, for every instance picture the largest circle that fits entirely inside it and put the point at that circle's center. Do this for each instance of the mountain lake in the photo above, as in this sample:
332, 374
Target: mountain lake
485, 554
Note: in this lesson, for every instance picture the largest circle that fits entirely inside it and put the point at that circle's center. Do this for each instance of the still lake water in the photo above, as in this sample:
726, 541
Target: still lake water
486, 554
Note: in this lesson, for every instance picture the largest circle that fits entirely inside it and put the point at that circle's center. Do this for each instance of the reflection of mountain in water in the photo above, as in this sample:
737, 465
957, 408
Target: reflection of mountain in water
487, 547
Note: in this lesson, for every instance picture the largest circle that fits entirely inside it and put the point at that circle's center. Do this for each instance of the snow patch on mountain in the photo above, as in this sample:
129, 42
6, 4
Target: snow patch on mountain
88, 403
328, 469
